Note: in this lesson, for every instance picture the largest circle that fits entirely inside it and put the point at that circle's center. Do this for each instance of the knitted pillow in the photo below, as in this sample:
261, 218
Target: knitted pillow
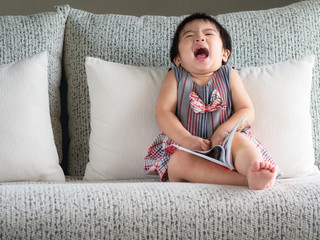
143, 41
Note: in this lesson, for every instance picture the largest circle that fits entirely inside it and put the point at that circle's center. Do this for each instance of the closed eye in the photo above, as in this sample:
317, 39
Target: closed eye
210, 32
188, 34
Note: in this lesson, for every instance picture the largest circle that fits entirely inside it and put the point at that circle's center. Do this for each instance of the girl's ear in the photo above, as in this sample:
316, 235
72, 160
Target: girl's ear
177, 61
225, 55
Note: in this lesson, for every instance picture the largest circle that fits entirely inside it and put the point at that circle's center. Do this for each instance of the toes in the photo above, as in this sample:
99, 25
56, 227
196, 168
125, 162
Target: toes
262, 165
255, 167
270, 167
267, 166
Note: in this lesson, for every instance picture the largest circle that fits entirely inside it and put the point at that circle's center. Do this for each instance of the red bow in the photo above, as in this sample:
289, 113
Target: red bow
198, 106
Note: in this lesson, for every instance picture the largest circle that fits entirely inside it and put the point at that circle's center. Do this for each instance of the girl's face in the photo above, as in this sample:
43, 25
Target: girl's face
200, 48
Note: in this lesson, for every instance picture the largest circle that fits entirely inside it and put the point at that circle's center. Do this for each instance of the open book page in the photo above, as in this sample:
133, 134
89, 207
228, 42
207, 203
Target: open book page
220, 154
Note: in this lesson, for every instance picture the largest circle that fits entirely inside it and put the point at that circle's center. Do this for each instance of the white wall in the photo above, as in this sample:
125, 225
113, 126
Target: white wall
141, 7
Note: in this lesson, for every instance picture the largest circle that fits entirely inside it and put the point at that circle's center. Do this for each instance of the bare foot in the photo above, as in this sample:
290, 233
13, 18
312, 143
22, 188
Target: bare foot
261, 175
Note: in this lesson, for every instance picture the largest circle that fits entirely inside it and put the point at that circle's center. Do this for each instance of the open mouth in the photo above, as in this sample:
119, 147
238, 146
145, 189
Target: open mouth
201, 53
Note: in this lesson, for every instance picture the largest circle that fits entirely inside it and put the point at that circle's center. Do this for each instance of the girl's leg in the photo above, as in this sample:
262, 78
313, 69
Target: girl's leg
184, 166
248, 162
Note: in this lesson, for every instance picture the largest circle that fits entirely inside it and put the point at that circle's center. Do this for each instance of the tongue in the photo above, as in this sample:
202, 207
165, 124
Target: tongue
201, 56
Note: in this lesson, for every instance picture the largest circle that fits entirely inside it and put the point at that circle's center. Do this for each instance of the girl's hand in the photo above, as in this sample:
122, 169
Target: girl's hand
197, 143
218, 136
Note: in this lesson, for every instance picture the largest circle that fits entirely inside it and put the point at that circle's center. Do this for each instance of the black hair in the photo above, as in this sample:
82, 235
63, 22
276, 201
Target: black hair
225, 37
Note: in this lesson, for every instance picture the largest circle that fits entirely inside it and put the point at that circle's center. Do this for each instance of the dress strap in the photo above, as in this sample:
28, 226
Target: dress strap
178, 71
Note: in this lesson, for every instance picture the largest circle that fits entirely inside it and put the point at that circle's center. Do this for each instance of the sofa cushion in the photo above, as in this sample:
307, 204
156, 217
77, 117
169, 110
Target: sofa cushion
24, 36
156, 210
123, 124
117, 38
281, 98
27, 152
259, 38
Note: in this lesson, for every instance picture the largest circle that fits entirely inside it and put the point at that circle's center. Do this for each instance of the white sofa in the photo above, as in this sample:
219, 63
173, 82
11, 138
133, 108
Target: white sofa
119, 200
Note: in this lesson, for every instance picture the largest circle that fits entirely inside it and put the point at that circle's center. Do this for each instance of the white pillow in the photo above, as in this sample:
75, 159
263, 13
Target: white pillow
281, 97
123, 123
27, 149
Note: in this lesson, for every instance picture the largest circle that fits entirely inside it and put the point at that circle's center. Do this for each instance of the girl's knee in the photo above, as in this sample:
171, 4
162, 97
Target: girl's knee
244, 153
239, 140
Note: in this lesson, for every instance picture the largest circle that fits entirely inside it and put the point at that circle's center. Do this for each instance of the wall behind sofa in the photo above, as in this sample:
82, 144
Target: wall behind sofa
141, 7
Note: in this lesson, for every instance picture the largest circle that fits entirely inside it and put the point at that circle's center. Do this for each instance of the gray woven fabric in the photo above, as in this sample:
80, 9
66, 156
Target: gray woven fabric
259, 38
277, 35
126, 39
24, 36
154, 210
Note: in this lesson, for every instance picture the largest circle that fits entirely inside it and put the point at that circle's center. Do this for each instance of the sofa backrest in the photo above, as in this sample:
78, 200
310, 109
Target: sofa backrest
69, 35
25, 36
259, 38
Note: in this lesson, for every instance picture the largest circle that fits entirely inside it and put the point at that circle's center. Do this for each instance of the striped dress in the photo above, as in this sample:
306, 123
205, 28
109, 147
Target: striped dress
201, 124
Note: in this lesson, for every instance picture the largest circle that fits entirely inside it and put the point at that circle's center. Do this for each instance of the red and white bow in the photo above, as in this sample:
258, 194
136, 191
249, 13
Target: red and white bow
198, 106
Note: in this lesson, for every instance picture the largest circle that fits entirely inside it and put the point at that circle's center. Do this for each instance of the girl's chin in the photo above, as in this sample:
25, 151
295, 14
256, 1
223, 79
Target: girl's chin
203, 68
203, 64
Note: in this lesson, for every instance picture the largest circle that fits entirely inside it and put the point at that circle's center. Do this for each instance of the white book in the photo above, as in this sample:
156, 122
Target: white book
220, 154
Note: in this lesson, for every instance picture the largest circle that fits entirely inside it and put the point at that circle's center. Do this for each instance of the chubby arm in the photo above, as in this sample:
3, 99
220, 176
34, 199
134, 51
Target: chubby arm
242, 105
168, 121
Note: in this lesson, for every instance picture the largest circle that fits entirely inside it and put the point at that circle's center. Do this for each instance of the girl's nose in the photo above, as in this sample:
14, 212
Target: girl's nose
200, 39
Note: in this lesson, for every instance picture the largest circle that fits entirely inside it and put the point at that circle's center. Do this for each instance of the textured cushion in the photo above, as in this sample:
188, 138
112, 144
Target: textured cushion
24, 36
259, 38
281, 97
123, 123
157, 210
143, 41
270, 36
27, 151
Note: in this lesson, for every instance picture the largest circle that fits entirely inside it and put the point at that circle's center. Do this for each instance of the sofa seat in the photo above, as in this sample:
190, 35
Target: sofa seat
149, 209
